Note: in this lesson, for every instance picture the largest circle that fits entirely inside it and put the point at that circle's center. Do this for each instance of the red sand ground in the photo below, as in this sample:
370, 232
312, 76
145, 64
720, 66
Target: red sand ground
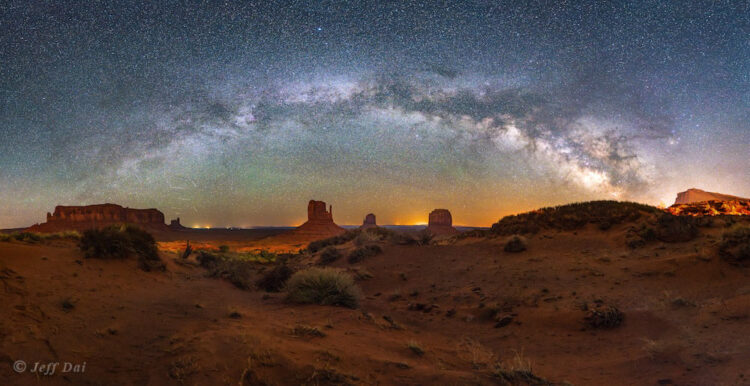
686, 317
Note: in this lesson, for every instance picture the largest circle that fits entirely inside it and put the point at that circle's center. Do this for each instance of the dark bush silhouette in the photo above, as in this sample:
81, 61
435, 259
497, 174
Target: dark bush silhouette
604, 317
120, 242
364, 252
329, 255
515, 244
675, 229
735, 245
275, 279
318, 245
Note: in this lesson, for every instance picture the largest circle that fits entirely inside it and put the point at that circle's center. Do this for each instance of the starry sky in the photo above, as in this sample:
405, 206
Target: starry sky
237, 113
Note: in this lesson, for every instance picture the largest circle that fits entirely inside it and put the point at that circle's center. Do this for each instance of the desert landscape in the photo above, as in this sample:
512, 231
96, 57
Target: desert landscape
288, 192
592, 293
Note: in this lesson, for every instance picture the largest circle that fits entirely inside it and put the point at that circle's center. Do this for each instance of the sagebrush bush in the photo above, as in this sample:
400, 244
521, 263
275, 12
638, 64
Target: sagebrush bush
604, 317
515, 244
120, 242
329, 255
324, 286
735, 244
347, 236
364, 252
275, 279
675, 229
237, 271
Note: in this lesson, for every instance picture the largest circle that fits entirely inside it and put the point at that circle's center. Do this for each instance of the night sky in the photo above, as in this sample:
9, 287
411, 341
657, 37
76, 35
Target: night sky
237, 113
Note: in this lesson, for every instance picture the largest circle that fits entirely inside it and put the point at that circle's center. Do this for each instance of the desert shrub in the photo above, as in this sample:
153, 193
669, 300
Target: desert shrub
424, 237
329, 255
208, 260
478, 233
673, 229
318, 245
223, 248
305, 331
519, 371
239, 272
120, 242
275, 279
400, 238
572, 216
515, 244
28, 237
324, 286
604, 317
735, 244
364, 252
639, 236
415, 347
365, 237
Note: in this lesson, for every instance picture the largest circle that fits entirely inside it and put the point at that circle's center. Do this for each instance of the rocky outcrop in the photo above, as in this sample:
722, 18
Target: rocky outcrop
96, 216
319, 222
175, 225
696, 195
441, 222
369, 222
711, 208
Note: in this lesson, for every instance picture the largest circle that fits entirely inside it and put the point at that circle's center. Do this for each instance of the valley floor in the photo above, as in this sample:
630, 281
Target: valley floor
687, 317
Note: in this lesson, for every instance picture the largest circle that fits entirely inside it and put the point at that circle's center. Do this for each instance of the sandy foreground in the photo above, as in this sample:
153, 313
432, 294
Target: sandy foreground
686, 317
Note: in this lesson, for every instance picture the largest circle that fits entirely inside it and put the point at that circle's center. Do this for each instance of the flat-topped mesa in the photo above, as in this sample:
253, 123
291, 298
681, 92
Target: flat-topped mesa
441, 222
369, 221
96, 216
319, 224
696, 195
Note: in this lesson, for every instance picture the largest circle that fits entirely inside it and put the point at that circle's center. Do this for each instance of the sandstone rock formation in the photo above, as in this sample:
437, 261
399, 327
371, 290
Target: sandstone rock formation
319, 222
696, 195
175, 225
441, 222
711, 208
369, 222
96, 216
696, 202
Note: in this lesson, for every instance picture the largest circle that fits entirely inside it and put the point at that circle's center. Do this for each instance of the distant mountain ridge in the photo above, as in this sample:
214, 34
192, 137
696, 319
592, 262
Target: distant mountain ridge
697, 195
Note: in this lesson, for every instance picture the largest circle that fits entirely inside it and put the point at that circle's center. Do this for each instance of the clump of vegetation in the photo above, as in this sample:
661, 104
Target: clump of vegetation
223, 248
324, 286
572, 216
424, 237
364, 252
329, 255
347, 236
415, 347
120, 242
638, 236
237, 271
519, 371
34, 237
604, 317
307, 331
515, 244
674, 229
275, 279
735, 244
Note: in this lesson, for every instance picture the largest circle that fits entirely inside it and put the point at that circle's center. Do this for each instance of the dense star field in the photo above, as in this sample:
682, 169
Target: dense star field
238, 113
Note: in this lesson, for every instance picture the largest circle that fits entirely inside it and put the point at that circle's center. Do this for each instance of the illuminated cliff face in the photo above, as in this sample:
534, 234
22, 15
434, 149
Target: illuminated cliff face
696, 195
711, 208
